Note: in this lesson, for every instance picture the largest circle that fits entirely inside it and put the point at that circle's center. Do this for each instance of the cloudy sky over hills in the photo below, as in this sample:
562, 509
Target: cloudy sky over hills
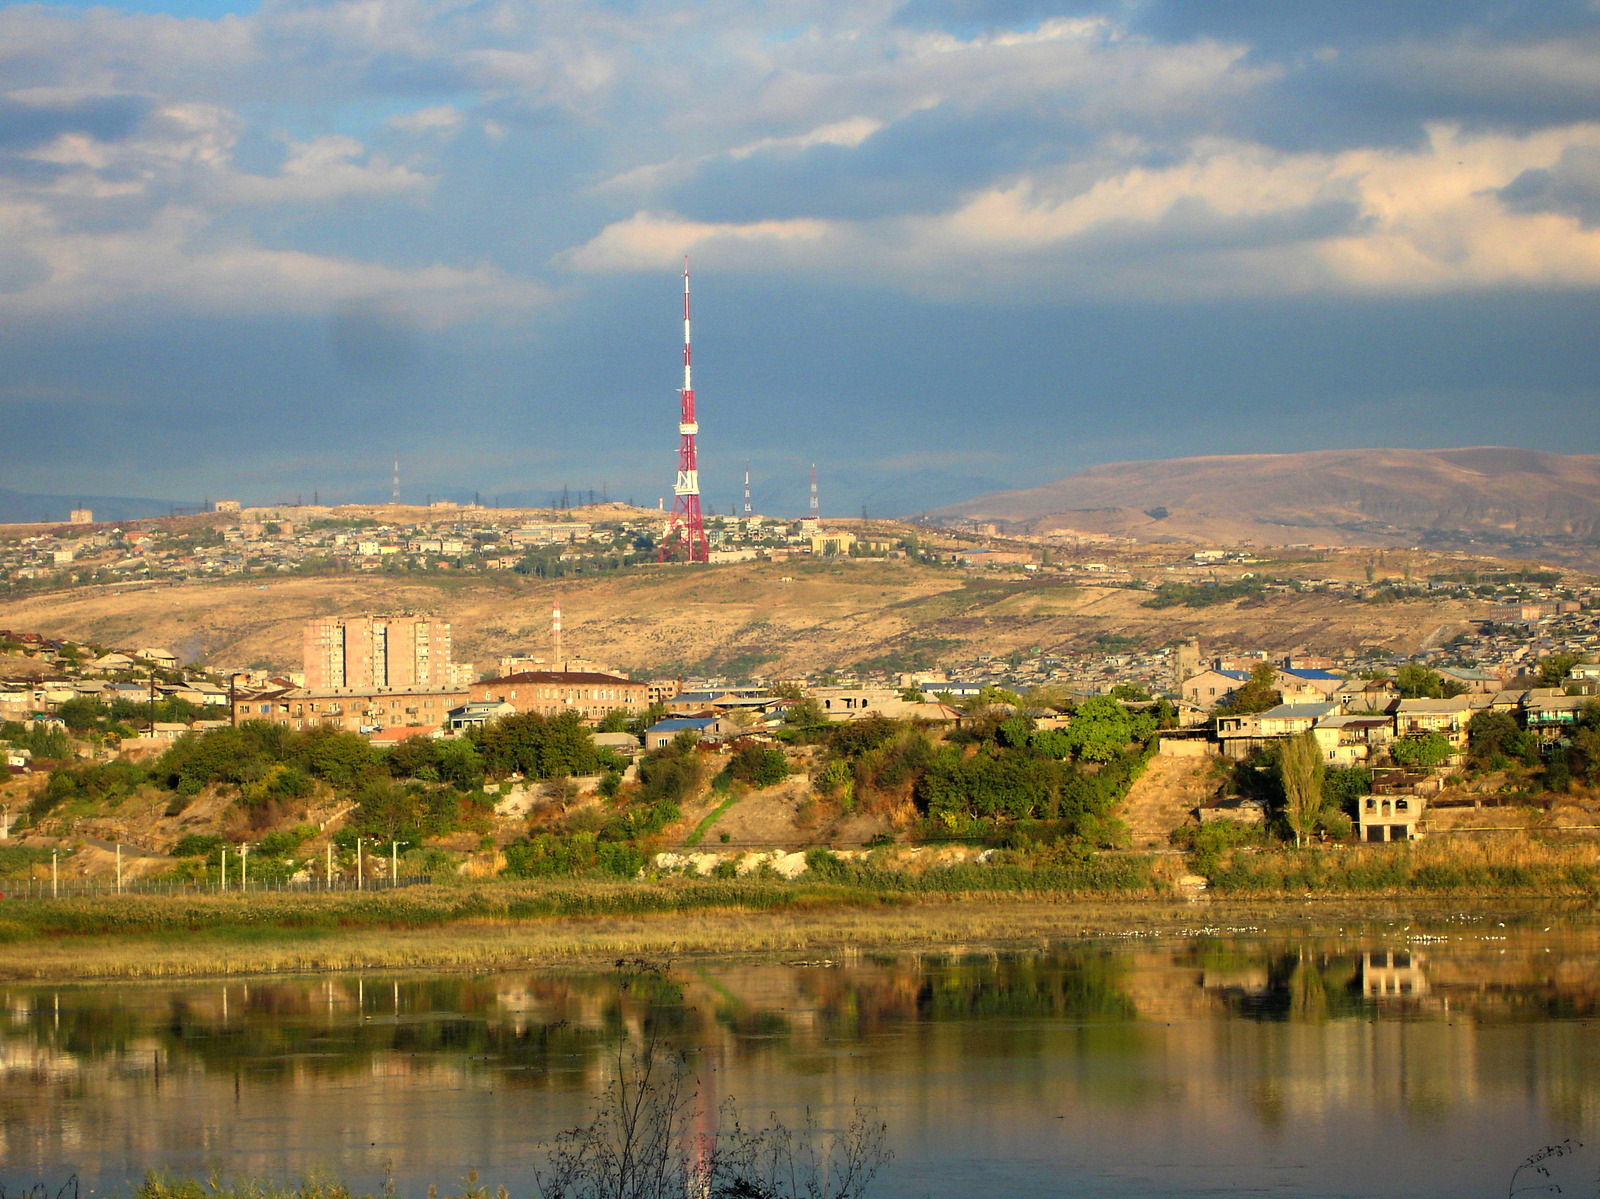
940, 246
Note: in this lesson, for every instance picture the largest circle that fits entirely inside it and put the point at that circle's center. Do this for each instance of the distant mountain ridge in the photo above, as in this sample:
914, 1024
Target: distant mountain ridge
20, 507
1492, 497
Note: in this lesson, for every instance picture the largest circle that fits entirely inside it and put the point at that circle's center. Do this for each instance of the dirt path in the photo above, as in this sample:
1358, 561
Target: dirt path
1163, 797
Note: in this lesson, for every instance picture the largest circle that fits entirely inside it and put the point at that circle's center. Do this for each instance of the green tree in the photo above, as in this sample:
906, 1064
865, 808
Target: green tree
1301, 765
1490, 732
1101, 729
1257, 694
1421, 753
1555, 667
1418, 682
81, 713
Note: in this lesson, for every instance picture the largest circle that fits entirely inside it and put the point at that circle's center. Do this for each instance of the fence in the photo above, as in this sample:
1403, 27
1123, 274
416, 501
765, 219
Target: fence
44, 888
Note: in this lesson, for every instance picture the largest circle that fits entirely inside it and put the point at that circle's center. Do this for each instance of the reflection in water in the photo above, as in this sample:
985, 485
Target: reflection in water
1191, 1066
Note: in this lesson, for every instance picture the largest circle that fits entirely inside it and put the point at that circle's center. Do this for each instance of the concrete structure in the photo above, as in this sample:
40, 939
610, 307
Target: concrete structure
377, 652
1418, 717
1388, 817
549, 692
707, 728
1211, 687
475, 716
846, 703
354, 710
80, 516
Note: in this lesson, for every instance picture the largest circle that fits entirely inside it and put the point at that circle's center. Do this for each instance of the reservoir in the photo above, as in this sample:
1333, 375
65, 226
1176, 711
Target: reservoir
1229, 1062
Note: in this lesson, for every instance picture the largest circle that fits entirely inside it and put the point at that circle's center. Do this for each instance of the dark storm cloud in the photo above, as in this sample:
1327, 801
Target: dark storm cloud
1276, 27
27, 126
375, 339
1571, 187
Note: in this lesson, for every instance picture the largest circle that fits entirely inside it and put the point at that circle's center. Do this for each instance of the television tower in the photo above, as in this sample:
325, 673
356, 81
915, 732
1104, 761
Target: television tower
748, 511
815, 511
397, 480
686, 522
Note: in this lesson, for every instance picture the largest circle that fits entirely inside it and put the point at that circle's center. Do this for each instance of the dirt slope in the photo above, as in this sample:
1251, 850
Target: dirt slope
1164, 796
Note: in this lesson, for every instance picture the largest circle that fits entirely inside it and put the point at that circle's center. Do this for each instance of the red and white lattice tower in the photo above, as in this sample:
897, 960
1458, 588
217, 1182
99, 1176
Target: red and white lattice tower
686, 525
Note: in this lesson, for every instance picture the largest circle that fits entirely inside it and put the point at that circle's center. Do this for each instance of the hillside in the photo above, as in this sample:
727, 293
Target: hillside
772, 617
1486, 498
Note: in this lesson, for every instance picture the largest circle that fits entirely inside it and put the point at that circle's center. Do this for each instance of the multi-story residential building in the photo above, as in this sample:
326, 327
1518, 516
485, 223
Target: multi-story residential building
551, 691
377, 652
352, 709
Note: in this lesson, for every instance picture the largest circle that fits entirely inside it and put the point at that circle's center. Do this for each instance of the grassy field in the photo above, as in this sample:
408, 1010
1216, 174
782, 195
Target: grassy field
507, 925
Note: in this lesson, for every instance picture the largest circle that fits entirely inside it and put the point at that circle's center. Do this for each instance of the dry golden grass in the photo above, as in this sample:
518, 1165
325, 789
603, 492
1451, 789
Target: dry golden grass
931, 923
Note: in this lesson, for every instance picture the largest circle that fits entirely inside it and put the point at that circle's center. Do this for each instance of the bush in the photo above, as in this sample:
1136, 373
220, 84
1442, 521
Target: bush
1424, 752
758, 766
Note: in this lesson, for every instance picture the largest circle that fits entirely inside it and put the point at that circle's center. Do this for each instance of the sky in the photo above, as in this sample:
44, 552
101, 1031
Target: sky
260, 250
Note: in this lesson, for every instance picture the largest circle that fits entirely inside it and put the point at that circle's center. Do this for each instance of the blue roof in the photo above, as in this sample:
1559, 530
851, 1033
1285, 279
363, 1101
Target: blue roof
1315, 674
678, 724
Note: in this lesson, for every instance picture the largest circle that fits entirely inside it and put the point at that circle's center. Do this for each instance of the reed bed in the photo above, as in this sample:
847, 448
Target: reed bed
1513, 864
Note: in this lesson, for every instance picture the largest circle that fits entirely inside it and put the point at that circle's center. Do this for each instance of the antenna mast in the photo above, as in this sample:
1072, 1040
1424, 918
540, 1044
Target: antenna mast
748, 511
555, 635
815, 512
397, 480
686, 523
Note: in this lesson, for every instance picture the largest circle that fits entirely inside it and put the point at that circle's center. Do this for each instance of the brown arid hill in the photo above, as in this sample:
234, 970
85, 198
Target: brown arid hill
1488, 498
764, 617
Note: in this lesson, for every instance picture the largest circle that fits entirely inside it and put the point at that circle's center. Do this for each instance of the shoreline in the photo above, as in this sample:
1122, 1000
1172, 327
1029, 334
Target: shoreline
927, 924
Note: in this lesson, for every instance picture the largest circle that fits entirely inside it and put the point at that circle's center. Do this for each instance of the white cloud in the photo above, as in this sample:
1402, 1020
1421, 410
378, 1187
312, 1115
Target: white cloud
1221, 222
441, 118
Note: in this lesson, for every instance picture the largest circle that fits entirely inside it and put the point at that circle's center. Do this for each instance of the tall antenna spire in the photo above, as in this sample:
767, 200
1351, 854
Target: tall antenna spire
686, 523
555, 635
816, 512
748, 510
397, 480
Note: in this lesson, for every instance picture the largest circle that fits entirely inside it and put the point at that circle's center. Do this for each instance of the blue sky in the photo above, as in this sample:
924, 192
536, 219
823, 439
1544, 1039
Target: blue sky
940, 246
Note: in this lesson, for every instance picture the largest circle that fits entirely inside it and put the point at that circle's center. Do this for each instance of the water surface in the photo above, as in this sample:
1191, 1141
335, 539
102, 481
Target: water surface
1199, 1065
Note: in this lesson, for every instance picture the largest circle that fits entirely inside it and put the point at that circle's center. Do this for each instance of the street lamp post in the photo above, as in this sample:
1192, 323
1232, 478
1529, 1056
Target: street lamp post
55, 876
244, 864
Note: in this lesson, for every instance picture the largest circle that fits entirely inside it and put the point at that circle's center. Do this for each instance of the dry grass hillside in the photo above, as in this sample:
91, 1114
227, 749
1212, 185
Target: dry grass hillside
767, 616
1484, 495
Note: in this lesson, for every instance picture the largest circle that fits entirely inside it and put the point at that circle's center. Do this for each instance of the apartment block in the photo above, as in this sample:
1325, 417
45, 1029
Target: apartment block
377, 652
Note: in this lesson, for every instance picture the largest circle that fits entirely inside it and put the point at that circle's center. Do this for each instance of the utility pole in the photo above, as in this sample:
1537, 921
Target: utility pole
119, 867
394, 863
244, 865
358, 864
224, 884
152, 701
233, 701
55, 874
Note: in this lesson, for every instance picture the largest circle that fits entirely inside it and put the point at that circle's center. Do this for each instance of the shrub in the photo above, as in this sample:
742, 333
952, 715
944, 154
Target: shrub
758, 766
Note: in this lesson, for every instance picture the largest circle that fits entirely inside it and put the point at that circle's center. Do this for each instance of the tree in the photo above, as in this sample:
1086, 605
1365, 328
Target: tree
1418, 682
1301, 766
1100, 730
1556, 667
1421, 753
80, 714
1256, 695
1489, 733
